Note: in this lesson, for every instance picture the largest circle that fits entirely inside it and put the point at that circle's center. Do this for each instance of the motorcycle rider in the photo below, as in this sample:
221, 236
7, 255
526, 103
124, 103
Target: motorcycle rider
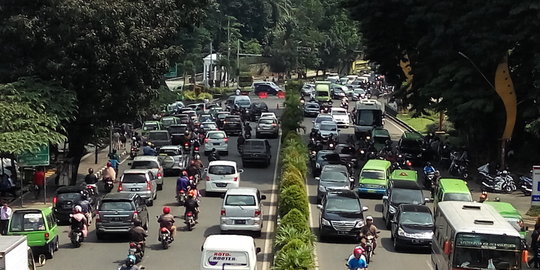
247, 130
148, 150
345, 102
166, 220
182, 183
109, 173
369, 229
214, 155
91, 179
86, 207
193, 169
129, 264
197, 161
138, 234
357, 261
79, 221
428, 169
192, 205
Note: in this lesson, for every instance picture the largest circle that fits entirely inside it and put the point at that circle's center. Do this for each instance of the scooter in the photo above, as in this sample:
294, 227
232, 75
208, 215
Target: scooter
109, 184
181, 197
190, 221
525, 184
368, 248
76, 235
134, 151
136, 249
165, 237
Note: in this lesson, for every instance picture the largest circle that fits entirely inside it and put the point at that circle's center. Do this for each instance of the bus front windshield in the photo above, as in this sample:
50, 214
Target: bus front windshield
369, 118
478, 251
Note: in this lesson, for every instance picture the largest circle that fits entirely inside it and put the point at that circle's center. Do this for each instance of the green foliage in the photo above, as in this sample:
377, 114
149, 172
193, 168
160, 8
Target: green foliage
33, 114
293, 197
297, 219
295, 255
288, 180
286, 232
192, 95
292, 115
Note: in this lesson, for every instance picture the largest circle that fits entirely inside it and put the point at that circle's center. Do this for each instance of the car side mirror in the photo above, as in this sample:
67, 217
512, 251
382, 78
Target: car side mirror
241, 171
364, 208
263, 197
222, 196
202, 248
313, 122
258, 250
385, 198
319, 206
339, 130
317, 179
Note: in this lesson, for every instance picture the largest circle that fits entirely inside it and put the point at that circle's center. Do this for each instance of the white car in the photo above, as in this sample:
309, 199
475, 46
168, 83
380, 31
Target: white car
340, 116
222, 175
320, 118
216, 140
268, 115
242, 210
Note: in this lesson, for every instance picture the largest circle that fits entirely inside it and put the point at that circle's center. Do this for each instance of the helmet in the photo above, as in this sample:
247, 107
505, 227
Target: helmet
184, 173
77, 209
197, 156
109, 164
130, 261
428, 164
358, 251
90, 170
369, 218
166, 210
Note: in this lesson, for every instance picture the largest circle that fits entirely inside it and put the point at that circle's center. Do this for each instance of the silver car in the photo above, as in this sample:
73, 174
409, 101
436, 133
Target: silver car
320, 118
328, 128
173, 160
267, 126
151, 163
141, 182
242, 210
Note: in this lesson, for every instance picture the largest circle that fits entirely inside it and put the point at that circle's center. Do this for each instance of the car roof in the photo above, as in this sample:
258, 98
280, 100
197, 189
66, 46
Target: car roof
328, 123
506, 209
241, 191
118, 196
158, 131
44, 210
344, 193
136, 171
334, 167
177, 125
454, 185
405, 185
267, 118
404, 175
147, 158
409, 135
70, 189
376, 164
220, 242
214, 131
337, 109
222, 162
414, 208
151, 122
171, 147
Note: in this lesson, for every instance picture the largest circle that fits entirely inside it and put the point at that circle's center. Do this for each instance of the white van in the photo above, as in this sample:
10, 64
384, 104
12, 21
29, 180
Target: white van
219, 253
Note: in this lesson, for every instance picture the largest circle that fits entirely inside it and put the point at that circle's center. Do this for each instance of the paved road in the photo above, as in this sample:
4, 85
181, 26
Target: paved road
185, 252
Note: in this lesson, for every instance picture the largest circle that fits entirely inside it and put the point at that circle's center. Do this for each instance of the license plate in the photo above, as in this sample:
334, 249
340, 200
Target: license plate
342, 232
221, 184
371, 191
240, 221
116, 219
135, 189
216, 143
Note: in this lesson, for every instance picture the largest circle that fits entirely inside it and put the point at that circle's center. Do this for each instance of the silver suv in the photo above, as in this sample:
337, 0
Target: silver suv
141, 182
151, 163
267, 126
242, 210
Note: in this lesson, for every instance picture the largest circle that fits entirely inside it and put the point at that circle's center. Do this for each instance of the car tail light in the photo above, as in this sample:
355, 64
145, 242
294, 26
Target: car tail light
164, 230
47, 236
98, 217
235, 179
89, 187
120, 188
54, 200
158, 174
223, 212
207, 178
257, 212
148, 186
186, 144
274, 124
409, 163
206, 140
189, 214
226, 139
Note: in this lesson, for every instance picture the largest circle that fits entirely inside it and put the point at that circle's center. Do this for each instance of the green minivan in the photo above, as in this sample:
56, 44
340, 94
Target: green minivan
404, 175
452, 190
511, 215
374, 177
40, 228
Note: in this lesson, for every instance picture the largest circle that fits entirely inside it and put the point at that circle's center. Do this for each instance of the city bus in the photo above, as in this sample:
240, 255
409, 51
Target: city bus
471, 235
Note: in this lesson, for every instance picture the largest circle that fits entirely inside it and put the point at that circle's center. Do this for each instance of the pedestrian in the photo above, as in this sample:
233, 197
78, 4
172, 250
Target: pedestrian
116, 140
535, 236
39, 181
5, 216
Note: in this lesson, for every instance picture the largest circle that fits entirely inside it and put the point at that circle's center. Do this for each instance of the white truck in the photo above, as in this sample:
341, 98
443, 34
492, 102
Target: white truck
15, 253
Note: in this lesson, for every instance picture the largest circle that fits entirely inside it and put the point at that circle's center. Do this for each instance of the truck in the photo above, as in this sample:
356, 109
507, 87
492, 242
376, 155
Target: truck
15, 253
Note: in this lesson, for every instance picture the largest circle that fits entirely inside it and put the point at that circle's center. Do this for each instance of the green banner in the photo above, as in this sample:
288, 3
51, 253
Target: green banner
36, 158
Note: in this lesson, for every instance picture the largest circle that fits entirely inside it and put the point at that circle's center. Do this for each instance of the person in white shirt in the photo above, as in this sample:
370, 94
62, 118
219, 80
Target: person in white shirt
5, 216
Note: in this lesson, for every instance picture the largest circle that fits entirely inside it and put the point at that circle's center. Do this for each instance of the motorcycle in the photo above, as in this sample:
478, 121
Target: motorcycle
181, 197
187, 146
190, 221
134, 151
76, 235
213, 157
459, 168
165, 237
368, 247
247, 134
109, 184
525, 184
136, 249
345, 106
501, 182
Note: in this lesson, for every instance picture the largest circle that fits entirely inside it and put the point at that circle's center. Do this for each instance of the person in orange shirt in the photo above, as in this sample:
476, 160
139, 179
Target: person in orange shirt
39, 181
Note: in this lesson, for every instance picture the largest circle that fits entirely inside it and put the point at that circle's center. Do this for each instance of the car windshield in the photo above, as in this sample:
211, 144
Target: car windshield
464, 197
369, 118
342, 204
516, 223
116, 206
334, 176
328, 127
312, 106
475, 251
411, 143
179, 129
379, 175
158, 136
169, 152
339, 112
168, 121
242, 102
27, 222
359, 91
259, 105
266, 121
134, 178
221, 169
408, 196
324, 118
222, 115
254, 145
322, 93
150, 126
144, 164
204, 118
216, 135
240, 200
71, 196
416, 218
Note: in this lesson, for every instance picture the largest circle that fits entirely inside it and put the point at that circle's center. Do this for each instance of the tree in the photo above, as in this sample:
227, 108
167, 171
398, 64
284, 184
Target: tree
110, 54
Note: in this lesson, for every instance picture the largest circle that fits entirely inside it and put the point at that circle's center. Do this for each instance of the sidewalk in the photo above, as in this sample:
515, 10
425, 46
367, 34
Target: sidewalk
27, 200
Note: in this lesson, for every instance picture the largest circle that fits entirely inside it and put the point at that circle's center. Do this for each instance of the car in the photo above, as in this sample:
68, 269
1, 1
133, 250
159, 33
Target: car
222, 175
269, 89
242, 102
159, 138
267, 126
151, 163
177, 132
215, 110
242, 210
206, 118
400, 192
320, 118
255, 110
311, 109
208, 126
411, 145
232, 125
221, 118
269, 115
256, 151
167, 121
40, 228
412, 225
323, 158
341, 116
337, 92
141, 182
328, 128
341, 214
193, 115
308, 89
347, 153
66, 198
358, 93
255, 84
173, 159
511, 214
333, 177
150, 125
116, 213
185, 119
379, 138
216, 140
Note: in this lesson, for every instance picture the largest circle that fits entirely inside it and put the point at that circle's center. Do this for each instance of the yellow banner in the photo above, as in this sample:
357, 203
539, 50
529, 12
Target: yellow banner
505, 89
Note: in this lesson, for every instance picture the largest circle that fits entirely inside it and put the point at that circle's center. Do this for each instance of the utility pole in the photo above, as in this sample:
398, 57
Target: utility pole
238, 62
228, 49
210, 66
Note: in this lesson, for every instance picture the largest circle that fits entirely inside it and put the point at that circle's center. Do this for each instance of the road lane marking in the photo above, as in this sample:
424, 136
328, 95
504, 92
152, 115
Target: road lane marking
395, 125
315, 258
271, 212
428, 262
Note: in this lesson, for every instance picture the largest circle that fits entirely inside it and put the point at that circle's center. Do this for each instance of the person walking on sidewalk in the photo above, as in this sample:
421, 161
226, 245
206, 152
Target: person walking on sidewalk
5, 216
39, 181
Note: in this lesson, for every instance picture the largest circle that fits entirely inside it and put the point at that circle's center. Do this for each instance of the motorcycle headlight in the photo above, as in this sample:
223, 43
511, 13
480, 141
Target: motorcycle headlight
325, 222
362, 152
392, 210
359, 224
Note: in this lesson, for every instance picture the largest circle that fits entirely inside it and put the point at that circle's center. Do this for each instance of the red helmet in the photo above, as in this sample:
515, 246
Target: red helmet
358, 251
184, 173
166, 210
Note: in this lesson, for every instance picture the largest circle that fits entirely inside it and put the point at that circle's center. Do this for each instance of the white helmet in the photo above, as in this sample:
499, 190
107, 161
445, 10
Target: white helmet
369, 218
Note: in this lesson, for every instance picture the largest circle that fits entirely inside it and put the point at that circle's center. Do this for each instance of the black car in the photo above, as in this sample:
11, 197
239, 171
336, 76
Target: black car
333, 177
177, 132
185, 119
232, 125
341, 214
347, 153
66, 198
256, 151
412, 226
411, 145
400, 192
269, 89
255, 110
117, 212
324, 157
220, 118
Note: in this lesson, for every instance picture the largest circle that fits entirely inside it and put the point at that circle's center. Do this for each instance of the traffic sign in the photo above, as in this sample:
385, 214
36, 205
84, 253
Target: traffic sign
535, 198
39, 157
